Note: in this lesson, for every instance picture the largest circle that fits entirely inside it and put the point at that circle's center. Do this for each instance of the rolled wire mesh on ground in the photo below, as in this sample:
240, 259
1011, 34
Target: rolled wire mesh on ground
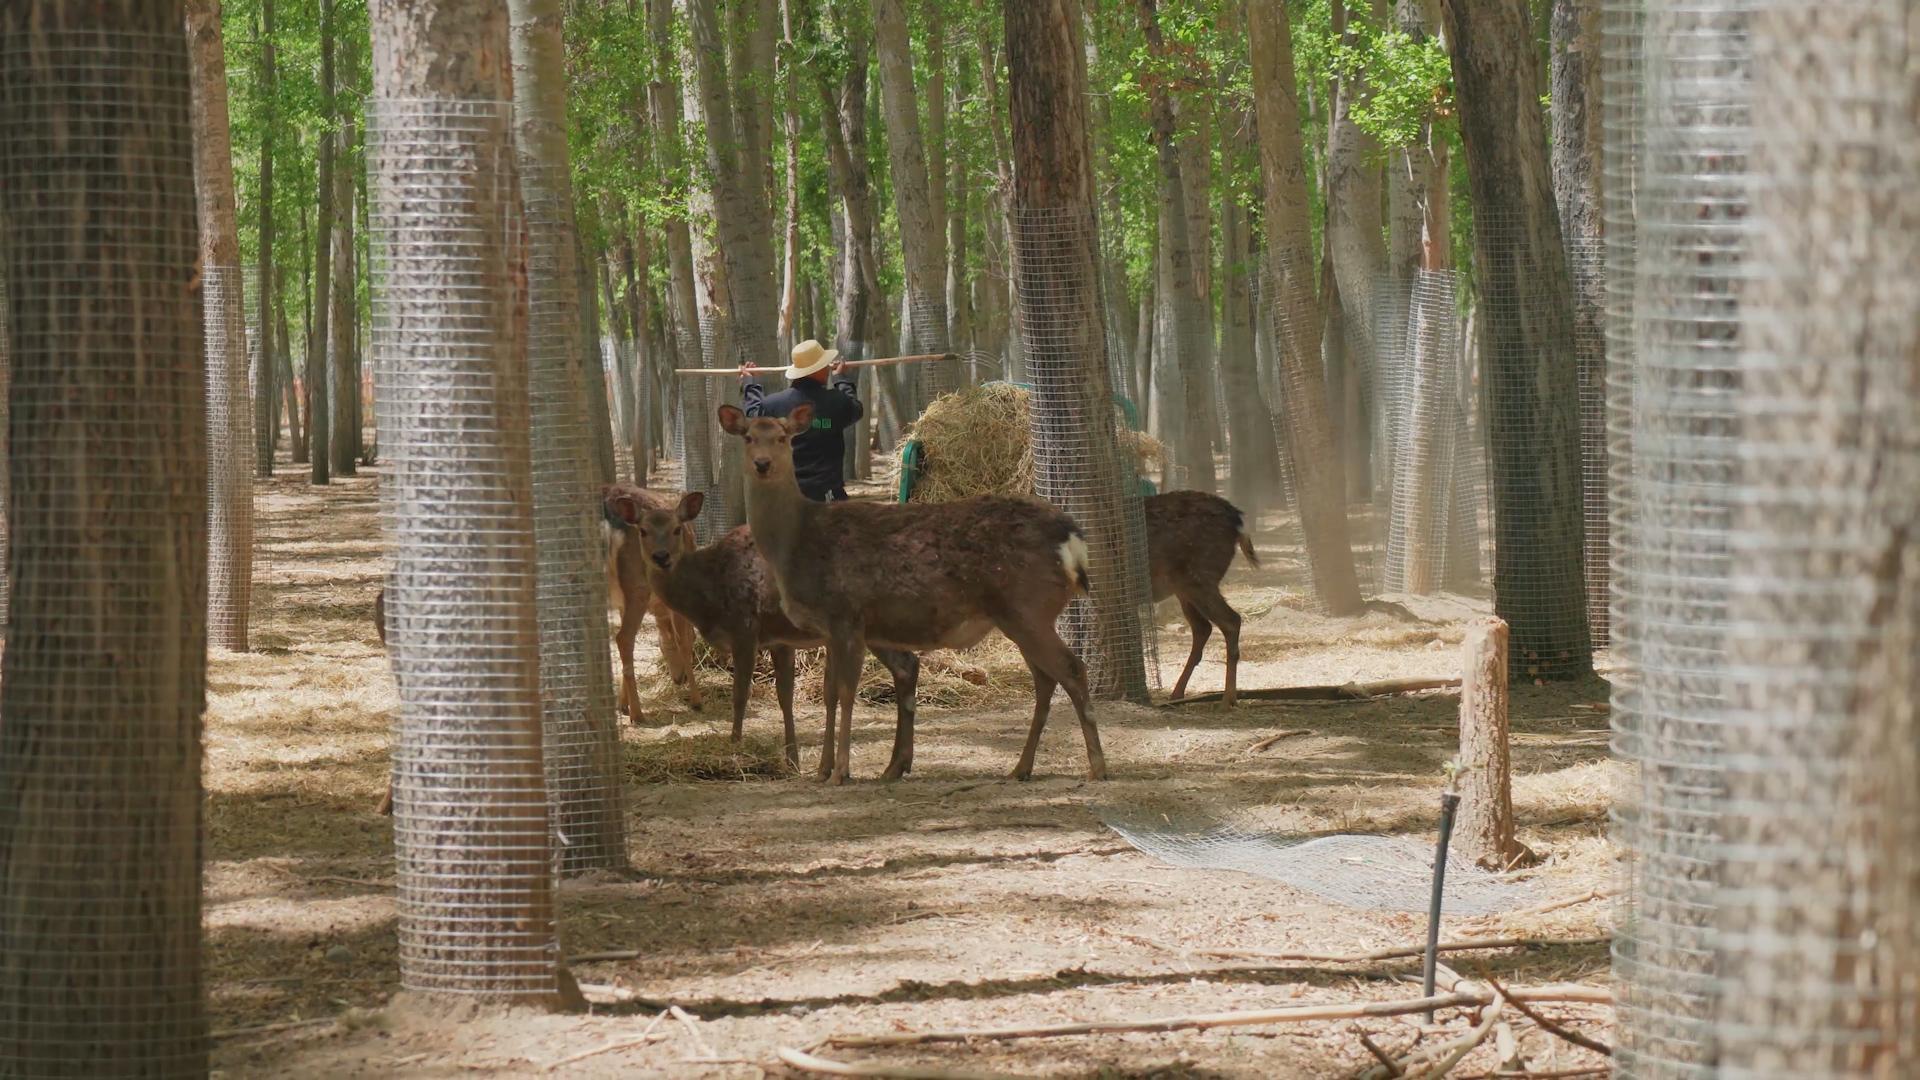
471, 832
1819, 920
1079, 464
229, 458
1670, 610
100, 709
576, 683
1366, 871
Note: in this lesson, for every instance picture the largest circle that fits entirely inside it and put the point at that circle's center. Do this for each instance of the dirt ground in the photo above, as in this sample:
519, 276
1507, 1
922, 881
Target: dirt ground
777, 912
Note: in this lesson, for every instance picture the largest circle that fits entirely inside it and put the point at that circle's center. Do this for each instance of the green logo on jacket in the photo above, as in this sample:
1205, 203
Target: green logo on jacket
821, 423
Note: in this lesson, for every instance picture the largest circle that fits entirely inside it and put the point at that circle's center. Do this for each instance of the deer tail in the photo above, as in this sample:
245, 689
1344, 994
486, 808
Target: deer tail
1240, 535
1073, 560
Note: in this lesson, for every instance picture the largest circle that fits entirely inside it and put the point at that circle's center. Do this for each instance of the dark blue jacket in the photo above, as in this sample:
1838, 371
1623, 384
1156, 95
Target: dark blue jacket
820, 453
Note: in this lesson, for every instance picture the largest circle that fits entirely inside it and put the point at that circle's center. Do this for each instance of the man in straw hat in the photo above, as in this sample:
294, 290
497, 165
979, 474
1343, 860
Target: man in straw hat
818, 453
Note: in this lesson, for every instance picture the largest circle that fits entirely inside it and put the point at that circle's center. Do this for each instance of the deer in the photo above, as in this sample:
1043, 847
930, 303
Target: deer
915, 577
725, 591
1191, 537
631, 596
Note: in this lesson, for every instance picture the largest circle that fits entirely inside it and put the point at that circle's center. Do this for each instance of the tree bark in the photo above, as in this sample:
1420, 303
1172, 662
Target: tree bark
290, 387
1053, 178
344, 383
923, 241
466, 814
1486, 785
319, 427
229, 421
103, 682
1354, 224
576, 692
1253, 460
1526, 340
265, 401
790, 110
1319, 485
664, 102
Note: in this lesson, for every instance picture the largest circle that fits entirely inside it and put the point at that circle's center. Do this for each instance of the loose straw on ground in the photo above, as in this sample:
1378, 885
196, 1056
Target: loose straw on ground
1296, 1014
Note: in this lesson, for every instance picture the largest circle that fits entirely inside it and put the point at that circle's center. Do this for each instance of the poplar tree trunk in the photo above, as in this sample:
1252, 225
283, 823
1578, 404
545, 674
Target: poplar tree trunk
1528, 366
229, 416
665, 106
1053, 172
343, 338
319, 428
1319, 486
103, 682
922, 224
266, 424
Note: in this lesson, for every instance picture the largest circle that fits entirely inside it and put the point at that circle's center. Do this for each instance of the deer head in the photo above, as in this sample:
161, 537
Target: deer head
769, 441
664, 537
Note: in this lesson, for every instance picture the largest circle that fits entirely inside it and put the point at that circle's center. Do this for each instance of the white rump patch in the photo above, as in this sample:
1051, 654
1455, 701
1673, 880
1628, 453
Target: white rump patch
1073, 561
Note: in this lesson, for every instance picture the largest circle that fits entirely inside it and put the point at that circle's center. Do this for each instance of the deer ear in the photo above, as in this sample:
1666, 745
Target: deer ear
800, 419
621, 511
732, 420
690, 505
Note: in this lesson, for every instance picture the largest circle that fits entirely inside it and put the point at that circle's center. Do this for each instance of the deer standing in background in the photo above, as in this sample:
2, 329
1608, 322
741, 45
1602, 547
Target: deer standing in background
915, 577
1191, 537
629, 594
724, 589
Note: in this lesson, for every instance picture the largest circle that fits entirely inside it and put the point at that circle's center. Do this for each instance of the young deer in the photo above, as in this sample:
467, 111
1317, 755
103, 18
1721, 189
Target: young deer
725, 590
1191, 536
629, 594
915, 577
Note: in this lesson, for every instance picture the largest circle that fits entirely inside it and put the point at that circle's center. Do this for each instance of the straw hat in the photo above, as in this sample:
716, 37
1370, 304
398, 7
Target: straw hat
809, 357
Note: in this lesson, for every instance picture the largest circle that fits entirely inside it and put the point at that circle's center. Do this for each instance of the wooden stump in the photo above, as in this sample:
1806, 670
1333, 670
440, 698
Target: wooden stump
1486, 795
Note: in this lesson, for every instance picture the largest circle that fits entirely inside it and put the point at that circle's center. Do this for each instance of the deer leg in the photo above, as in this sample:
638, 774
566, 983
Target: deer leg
1221, 614
1043, 687
783, 689
1047, 654
848, 659
1201, 630
905, 667
630, 617
746, 650
676, 648
830, 692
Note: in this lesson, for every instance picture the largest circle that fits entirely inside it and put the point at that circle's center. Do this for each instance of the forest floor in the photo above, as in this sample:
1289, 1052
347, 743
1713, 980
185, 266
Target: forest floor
776, 911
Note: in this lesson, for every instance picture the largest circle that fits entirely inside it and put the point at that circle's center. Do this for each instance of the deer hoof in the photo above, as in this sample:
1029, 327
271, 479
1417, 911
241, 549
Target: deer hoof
1021, 772
893, 773
839, 778
1097, 772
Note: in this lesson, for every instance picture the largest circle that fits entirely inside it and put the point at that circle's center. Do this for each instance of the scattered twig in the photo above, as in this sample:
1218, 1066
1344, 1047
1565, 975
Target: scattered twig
1448, 1055
1343, 692
262, 1029
1385, 1059
1567, 1034
1271, 739
1291, 1015
806, 1062
1534, 1074
1398, 952
600, 957
1571, 901
686, 1021
646, 1036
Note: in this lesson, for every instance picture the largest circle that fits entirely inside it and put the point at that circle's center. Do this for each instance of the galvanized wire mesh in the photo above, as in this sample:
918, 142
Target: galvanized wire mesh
927, 321
1819, 921
694, 441
1426, 426
1670, 608
1469, 536
726, 502
616, 370
229, 458
1585, 263
104, 688
1079, 464
576, 681
6, 369
471, 825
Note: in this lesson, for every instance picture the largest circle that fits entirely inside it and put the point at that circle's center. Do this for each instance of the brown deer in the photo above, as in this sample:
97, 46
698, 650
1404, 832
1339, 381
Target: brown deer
724, 589
1191, 537
915, 577
629, 593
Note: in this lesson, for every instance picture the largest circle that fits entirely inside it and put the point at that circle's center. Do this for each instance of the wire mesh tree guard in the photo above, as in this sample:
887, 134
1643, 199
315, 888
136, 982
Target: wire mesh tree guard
471, 822
230, 451
576, 683
104, 683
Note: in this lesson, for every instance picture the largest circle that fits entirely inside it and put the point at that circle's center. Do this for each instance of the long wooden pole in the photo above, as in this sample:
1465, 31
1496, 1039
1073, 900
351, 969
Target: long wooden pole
880, 361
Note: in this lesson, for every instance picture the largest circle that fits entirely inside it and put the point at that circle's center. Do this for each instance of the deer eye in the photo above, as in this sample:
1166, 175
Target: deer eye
783, 440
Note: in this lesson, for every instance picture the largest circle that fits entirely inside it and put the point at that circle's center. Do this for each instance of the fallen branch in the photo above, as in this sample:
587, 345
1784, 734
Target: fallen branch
1271, 739
1343, 692
1291, 1015
646, 1037
1385, 1059
1551, 1074
600, 957
1571, 901
1398, 952
262, 1029
808, 1063
1586, 1042
1447, 1055
693, 1032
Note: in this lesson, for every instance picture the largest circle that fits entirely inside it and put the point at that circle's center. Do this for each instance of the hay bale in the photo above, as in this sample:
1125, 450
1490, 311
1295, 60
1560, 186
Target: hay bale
978, 441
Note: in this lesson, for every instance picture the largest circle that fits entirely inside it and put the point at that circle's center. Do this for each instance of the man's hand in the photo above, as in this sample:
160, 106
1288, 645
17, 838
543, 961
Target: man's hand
839, 367
746, 372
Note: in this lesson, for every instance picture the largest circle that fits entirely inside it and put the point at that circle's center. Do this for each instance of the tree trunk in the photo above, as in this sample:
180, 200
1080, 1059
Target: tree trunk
1576, 189
999, 254
1486, 785
1254, 462
1319, 486
344, 386
923, 241
1060, 266
476, 906
1526, 344
693, 395
104, 680
283, 359
790, 260
229, 423
265, 400
576, 688
1190, 440
1354, 225
319, 427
